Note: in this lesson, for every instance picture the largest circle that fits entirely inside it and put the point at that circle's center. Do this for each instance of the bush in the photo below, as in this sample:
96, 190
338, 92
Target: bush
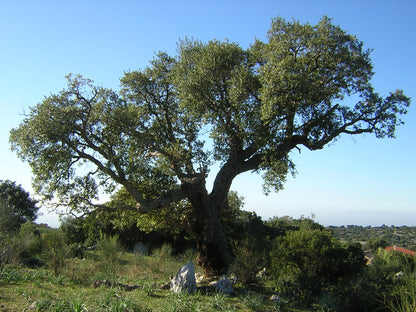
162, 259
403, 298
164, 253
385, 282
110, 248
250, 258
24, 247
74, 230
56, 250
375, 243
306, 264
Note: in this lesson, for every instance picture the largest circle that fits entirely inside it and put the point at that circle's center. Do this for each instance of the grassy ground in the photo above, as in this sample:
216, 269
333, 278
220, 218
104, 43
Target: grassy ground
23, 289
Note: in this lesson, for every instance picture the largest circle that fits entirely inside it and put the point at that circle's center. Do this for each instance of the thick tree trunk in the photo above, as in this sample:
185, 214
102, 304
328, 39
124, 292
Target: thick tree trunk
212, 246
213, 253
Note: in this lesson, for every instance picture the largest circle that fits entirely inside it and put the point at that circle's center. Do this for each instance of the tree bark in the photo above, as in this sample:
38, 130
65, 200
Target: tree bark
212, 245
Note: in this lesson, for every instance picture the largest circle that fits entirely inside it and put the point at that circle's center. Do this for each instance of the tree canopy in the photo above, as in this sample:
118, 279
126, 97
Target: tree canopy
16, 206
214, 102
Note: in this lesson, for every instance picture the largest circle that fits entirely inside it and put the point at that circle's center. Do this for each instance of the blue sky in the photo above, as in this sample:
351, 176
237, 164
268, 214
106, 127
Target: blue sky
356, 180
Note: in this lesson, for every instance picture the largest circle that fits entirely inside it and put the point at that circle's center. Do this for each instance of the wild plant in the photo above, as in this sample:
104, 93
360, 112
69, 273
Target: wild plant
403, 298
252, 302
161, 258
164, 253
56, 251
125, 305
149, 288
182, 302
77, 305
111, 249
218, 301
188, 255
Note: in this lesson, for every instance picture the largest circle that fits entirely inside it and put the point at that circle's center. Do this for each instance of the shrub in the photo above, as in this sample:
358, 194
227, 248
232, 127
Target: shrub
307, 263
403, 298
188, 255
24, 247
110, 248
250, 258
383, 286
56, 250
164, 253
375, 243
74, 230
162, 259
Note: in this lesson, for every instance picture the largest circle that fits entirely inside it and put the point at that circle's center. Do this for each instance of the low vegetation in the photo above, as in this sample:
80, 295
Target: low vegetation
72, 289
306, 269
404, 236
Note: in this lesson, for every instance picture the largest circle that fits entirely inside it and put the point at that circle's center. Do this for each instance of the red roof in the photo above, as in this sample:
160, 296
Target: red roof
404, 250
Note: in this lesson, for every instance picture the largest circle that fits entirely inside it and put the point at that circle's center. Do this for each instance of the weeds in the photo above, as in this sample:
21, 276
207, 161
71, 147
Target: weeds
183, 302
188, 255
125, 305
77, 305
111, 249
218, 302
162, 259
81, 272
22, 288
252, 302
13, 275
149, 288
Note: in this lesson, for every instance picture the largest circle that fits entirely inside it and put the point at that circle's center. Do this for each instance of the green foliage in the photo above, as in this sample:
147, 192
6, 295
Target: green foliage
172, 219
249, 237
77, 305
375, 243
306, 263
403, 236
218, 302
403, 298
183, 302
16, 206
250, 257
56, 250
214, 103
252, 301
382, 281
281, 225
111, 249
386, 264
161, 258
74, 230
24, 247
164, 253
375, 288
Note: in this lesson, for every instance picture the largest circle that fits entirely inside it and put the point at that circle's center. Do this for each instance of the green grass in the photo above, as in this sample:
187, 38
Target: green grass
39, 289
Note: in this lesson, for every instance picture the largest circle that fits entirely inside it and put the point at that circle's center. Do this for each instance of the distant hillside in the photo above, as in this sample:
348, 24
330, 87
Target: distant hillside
404, 236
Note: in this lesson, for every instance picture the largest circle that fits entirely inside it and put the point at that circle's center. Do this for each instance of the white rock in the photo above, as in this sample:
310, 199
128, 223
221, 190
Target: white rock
184, 279
223, 285
274, 298
199, 278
